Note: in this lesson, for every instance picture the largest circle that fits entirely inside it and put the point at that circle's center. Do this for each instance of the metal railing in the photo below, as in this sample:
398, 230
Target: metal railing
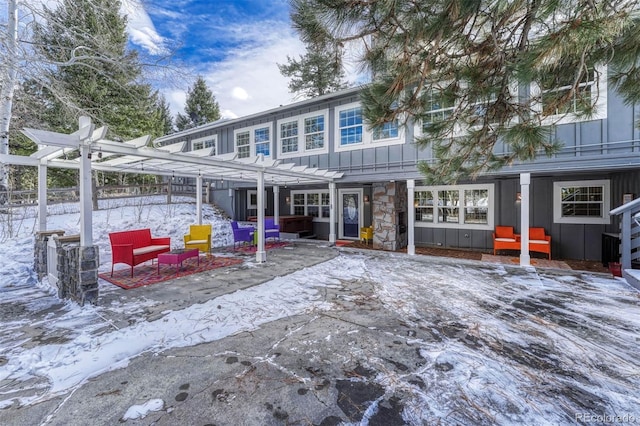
629, 232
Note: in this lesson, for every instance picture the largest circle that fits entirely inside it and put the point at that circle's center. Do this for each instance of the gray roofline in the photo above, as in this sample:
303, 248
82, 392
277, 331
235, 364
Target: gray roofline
226, 121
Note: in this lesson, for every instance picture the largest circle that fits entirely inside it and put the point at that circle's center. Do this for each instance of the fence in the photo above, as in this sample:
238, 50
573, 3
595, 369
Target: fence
24, 198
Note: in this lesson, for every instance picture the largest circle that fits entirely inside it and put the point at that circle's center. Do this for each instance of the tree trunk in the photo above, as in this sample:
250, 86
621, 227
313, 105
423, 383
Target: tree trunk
8, 80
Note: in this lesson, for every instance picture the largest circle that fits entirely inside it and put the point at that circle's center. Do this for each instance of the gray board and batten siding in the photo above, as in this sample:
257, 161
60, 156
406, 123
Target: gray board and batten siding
607, 148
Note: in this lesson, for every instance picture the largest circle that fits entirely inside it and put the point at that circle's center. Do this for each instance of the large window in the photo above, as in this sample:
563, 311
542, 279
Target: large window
303, 135
463, 206
581, 100
581, 202
352, 131
311, 203
253, 141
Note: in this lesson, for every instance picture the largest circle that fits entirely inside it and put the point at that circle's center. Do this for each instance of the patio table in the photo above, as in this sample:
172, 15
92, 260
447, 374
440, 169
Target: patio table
176, 257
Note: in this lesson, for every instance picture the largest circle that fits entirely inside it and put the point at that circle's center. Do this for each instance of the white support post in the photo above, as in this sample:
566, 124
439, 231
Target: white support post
525, 181
261, 255
276, 204
42, 196
411, 216
332, 213
86, 203
199, 198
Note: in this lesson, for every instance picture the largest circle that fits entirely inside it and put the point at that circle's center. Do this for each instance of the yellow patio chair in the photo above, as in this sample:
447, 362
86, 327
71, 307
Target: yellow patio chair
199, 237
366, 234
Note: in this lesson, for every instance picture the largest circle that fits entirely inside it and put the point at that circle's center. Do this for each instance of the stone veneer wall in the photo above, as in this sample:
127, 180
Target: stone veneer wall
389, 201
77, 266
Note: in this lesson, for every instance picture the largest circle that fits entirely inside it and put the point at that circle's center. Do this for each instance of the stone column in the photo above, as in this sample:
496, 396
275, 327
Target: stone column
390, 215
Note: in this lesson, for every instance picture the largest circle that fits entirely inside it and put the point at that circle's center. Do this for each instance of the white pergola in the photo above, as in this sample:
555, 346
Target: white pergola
134, 156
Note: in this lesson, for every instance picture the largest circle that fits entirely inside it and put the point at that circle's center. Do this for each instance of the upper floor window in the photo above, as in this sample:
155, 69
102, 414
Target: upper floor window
590, 96
462, 206
580, 101
303, 135
352, 132
581, 202
253, 141
205, 142
437, 108
351, 126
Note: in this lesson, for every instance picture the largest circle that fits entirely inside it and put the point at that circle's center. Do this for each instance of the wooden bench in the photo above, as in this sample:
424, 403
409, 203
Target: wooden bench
136, 246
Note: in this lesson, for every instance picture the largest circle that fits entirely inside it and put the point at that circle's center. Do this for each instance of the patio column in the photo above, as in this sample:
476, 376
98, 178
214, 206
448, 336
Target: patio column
86, 202
276, 204
411, 216
199, 198
42, 196
261, 255
525, 180
332, 213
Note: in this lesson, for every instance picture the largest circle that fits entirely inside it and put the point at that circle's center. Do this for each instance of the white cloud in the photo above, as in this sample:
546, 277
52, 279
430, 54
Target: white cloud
239, 93
141, 29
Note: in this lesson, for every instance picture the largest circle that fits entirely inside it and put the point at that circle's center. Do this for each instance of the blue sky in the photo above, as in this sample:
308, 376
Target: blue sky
235, 45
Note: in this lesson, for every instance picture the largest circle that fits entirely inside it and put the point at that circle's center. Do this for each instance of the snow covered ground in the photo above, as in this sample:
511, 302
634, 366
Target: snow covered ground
491, 344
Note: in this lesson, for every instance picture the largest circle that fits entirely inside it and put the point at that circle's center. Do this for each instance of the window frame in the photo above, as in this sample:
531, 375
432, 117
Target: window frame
302, 149
604, 219
368, 140
435, 192
600, 91
252, 139
306, 192
203, 140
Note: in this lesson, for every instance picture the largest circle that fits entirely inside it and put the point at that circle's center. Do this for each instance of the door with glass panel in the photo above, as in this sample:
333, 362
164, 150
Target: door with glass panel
350, 216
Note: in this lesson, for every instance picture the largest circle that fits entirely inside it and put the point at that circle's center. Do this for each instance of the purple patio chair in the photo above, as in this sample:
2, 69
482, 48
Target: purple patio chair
241, 234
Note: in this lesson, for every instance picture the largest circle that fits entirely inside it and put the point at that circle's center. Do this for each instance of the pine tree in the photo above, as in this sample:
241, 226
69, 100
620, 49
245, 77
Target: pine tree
320, 70
475, 62
166, 119
201, 107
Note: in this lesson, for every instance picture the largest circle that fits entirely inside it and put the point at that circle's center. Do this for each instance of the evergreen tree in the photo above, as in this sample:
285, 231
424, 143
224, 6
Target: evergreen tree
94, 73
476, 63
320, 70
166, 119
201, 107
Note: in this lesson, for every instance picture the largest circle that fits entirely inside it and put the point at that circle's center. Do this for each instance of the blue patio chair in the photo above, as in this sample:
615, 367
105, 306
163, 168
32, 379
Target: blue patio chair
241, 234
271, 229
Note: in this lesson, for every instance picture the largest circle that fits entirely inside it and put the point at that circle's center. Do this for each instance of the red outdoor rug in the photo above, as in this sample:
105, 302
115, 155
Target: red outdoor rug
147, 273
267, 246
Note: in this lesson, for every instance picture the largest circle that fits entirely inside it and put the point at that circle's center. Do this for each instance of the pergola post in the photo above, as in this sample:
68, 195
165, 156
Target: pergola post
525, 180
199, 198
332, 213
42, 196
276, 204
411, 216
261, 254
86, 203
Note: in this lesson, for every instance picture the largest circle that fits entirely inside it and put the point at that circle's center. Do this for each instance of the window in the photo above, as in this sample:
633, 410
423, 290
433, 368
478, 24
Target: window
438, 108
303, 135
590, 93
462, 206
352, 133
350, 126
262, 140
243, 144
253, 141
311, 203
252, 199
314, 132
205, 142
289, 136
581, 202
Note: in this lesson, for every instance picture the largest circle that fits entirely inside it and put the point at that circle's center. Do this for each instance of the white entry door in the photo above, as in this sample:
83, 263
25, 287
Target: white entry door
350, 211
